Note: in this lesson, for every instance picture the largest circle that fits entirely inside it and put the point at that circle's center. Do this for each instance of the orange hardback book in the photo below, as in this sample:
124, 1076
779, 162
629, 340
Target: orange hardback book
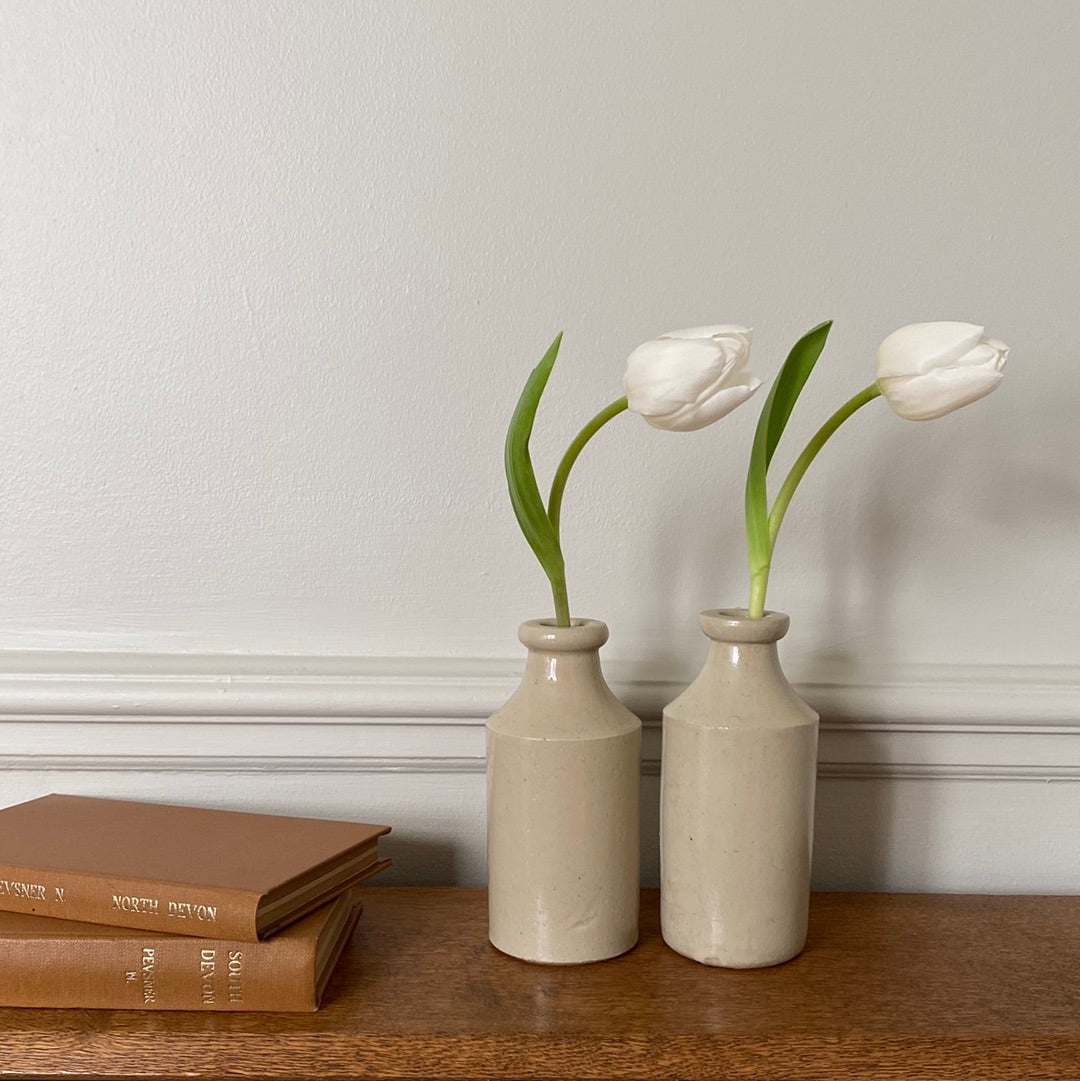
60, 963
179, 870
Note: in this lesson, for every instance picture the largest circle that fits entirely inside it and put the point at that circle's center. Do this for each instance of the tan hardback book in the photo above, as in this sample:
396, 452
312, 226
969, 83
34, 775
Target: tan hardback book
60, 963
179, 870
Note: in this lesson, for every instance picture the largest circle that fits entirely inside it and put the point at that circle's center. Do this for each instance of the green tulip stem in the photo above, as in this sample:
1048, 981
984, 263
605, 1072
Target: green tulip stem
802, 463
760, 578
558, 483
562, 601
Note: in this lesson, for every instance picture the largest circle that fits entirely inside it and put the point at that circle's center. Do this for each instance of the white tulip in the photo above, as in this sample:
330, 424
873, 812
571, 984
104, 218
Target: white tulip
688, 379
926, 370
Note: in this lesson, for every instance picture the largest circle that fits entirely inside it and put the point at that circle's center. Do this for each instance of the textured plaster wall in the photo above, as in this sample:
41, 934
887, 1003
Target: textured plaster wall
272, 274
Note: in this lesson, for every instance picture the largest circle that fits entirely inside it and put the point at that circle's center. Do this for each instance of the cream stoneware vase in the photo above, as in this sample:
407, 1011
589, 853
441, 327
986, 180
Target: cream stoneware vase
563, 780
737, 802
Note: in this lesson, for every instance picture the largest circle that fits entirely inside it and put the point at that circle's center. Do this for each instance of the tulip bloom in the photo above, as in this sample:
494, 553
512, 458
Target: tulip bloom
688, 379
927, 370
924, 371
681, 381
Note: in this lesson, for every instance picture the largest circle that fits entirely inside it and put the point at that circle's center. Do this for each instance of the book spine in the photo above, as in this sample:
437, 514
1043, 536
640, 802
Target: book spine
173, 908
157, 973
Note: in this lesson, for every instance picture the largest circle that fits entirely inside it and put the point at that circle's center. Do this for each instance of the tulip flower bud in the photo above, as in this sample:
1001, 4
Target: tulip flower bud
926, 370
688, 379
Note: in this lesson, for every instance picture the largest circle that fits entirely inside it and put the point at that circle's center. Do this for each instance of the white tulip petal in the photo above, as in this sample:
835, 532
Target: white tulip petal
721, 330
988, 353
921, 347
664, 375
688, 379
1002, 351
691, 418
933, 395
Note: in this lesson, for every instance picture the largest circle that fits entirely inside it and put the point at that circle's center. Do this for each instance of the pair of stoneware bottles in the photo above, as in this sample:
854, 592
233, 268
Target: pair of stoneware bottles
738, 768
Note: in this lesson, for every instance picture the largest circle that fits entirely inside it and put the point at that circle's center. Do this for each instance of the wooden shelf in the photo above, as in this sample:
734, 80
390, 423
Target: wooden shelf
889, 986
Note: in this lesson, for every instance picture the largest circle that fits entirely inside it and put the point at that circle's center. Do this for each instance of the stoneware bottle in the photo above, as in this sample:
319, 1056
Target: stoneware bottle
563, 833
737, 802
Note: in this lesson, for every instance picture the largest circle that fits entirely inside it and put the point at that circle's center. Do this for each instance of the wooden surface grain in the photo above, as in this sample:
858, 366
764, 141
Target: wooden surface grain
889, 986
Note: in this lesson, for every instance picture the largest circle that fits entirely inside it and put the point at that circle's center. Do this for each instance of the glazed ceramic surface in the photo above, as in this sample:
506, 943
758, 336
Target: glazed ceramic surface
737, 802
563, 778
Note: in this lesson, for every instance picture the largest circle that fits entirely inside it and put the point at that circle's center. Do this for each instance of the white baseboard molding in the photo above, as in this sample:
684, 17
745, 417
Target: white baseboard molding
402, 740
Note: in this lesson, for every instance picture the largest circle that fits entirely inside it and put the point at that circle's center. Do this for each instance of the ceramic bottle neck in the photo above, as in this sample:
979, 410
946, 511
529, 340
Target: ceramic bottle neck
741, 647
561, 655
742, 660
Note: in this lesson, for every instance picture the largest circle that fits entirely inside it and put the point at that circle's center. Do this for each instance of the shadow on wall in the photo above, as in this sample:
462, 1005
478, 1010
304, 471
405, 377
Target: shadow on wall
866, 549
1021, 491
867, 839
419, 862
689, 571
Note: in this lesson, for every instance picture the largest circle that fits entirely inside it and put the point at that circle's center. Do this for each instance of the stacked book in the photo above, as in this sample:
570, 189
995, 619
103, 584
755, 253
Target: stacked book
114, 904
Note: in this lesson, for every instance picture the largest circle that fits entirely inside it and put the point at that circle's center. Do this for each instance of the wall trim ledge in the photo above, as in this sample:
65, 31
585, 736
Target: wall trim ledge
125, 712
117, 686
933, 778
357, 765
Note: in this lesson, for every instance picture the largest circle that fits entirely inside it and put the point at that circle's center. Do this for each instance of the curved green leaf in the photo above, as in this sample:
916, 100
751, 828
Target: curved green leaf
775, 414
789, 384
521, 479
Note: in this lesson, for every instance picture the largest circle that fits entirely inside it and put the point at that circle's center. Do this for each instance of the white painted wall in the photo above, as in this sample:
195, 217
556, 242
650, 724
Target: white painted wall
273, 274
